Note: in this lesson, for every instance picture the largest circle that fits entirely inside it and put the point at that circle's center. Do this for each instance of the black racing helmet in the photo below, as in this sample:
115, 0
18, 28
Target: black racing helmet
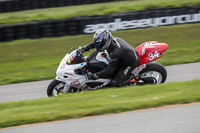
102, 39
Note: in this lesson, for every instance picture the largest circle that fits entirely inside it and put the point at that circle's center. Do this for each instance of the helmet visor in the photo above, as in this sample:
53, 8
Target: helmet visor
99, 45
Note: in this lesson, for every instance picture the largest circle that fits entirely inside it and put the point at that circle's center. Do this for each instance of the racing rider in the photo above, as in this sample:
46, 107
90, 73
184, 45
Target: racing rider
123, 58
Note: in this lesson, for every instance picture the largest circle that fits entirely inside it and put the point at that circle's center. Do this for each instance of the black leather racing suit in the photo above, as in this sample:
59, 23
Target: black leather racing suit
123, 59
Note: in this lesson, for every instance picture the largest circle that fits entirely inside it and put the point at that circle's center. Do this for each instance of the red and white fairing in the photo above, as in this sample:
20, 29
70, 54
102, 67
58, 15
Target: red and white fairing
150, 51
66, 72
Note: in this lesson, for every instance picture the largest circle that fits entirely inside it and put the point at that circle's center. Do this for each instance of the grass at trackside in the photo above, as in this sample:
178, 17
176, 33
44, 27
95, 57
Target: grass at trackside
91, 9
112, 100
31, 60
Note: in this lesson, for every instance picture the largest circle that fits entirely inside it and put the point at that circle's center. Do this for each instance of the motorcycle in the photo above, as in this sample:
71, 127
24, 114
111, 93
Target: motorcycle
72, 70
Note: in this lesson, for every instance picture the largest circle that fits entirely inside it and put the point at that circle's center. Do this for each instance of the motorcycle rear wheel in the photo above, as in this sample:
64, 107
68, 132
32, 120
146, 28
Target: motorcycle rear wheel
154, 73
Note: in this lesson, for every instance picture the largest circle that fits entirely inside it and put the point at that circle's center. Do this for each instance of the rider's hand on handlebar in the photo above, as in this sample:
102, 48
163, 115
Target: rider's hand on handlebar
80, 51
91, 76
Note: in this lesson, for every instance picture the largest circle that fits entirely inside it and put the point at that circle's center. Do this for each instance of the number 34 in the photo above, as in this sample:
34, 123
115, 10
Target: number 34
152, 56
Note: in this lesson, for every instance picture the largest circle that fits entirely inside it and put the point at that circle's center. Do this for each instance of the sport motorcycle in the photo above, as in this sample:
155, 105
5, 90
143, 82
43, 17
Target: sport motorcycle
72, 70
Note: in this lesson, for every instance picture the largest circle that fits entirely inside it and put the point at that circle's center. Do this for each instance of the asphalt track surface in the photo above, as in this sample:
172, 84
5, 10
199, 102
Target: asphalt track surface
175, 119
35, 90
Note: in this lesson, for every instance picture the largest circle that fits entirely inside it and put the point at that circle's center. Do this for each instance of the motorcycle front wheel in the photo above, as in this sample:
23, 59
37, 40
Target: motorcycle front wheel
154, 73
55, 88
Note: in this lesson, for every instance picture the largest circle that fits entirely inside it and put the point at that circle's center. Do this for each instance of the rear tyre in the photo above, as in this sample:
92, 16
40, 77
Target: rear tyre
154, 73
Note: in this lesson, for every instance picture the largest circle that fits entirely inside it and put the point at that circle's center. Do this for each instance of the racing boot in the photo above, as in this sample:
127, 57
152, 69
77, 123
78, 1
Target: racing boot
132, 81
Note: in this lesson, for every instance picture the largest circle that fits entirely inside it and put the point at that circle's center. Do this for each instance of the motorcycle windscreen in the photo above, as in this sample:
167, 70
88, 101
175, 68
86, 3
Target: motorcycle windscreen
75, 59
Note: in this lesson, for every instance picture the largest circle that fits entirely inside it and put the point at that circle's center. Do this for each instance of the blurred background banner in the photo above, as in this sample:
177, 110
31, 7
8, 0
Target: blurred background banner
20, 5
112, 22
141, 19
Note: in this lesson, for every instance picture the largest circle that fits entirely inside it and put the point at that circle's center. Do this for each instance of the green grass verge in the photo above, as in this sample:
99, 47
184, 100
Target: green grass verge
91, 9
31, 60
89, 103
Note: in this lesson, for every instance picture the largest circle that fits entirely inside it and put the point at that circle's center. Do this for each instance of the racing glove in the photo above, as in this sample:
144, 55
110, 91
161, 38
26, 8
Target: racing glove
91, 76
80, 51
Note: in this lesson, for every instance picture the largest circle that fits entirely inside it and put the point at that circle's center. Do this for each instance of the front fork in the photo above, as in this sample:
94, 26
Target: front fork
66, 88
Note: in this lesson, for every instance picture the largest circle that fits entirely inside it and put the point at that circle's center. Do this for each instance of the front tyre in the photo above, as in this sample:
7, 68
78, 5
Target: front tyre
55, 88
154, 73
